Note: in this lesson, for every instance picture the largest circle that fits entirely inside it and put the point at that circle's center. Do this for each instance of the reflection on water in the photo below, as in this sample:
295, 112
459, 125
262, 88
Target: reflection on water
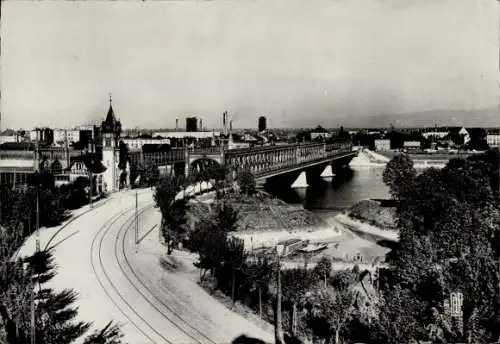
339, 192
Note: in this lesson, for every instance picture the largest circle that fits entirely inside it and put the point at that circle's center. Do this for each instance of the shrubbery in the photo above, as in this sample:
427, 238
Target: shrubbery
24, 278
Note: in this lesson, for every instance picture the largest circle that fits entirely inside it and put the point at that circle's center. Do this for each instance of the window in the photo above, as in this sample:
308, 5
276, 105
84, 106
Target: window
108, 142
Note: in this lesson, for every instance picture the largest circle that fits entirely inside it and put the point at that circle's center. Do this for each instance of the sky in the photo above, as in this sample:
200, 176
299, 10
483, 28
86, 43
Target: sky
299, 63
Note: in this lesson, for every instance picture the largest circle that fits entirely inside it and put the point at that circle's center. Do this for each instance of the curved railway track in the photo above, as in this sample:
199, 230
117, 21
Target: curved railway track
105, 227
174, 319
202, 336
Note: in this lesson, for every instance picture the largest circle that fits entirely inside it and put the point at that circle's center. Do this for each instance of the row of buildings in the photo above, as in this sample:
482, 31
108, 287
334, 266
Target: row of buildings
98, 149
431, 139
80, 137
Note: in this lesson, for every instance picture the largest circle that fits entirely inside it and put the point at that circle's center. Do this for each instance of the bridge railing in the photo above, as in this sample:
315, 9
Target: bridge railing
283, 156
264, 160
208, 150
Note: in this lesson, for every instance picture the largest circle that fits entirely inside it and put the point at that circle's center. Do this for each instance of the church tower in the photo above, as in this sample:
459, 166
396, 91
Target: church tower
110, 133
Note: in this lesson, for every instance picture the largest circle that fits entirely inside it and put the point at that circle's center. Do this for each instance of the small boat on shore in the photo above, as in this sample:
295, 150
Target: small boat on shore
313, 248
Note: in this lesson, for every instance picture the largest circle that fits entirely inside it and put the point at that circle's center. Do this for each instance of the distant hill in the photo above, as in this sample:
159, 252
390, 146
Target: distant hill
477, 118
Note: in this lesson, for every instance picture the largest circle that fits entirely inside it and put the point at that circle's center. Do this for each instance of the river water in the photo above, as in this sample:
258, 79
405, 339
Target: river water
338, 193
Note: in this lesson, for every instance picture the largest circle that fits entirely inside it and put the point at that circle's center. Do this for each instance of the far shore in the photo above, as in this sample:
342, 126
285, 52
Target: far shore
368, 158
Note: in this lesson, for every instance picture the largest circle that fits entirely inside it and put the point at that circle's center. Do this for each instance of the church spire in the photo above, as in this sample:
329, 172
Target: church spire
110, 118
111, 124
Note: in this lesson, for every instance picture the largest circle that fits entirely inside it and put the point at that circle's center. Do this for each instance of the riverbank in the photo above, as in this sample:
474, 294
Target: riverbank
368, 158
373, 213
366, 229
264, 220
369, 219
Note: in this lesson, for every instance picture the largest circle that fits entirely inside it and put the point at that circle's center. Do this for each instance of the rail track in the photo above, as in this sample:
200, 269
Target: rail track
106, 227
196, 334
174, 319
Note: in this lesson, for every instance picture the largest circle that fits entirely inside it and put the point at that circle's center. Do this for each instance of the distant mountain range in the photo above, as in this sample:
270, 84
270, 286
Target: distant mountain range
487, 118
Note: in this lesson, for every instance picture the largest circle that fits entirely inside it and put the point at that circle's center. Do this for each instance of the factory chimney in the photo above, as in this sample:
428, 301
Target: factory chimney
176, 124
224, 122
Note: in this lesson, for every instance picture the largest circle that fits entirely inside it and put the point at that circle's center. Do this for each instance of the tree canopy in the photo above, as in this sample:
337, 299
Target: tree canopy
449, 222
399, 175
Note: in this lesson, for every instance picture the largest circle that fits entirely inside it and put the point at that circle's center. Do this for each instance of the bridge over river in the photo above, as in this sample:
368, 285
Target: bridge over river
291, 162
286, 163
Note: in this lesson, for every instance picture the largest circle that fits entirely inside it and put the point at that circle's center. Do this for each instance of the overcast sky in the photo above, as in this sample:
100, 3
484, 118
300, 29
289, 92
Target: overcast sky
297, 62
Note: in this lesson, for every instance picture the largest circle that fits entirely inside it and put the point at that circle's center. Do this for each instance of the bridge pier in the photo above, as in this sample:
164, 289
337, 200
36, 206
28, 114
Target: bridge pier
328, 172
301, 181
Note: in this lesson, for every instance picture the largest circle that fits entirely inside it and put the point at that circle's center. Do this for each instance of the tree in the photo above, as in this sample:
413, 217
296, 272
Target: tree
246, 182
398, 320
329, 312
234, 259
399, 175
219, 176
54, 311
173, 213
295, 284
123, 155
151, 174
110, 334
210, 244
259, 276
227, 217
343, 279
175, 220
447, 223
323, 268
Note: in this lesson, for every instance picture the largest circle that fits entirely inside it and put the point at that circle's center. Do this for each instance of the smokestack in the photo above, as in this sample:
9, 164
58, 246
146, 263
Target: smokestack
230, 126
201, 124
224, 120
176, 124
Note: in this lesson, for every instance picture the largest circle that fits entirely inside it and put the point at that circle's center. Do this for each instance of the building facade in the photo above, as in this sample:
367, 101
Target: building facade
10, 136
382, 145
411, 146
493, 138
191, 124
136, 143
262, 124
42, 135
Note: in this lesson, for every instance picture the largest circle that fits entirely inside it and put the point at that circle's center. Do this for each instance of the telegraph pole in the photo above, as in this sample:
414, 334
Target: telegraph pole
37, 248
278, 331
37, 220
37, 194
136, 220
33, 322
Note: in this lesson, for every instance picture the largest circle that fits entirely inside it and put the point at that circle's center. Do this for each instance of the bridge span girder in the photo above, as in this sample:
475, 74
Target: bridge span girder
267, 162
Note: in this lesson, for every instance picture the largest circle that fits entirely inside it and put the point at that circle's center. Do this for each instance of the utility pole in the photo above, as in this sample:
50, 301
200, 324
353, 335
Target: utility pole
33, 322
37, 219
37, 194
136, 220
278, 331
37, 248
91, 178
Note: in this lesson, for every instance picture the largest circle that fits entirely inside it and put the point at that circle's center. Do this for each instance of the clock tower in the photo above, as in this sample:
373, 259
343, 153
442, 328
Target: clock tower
110, 133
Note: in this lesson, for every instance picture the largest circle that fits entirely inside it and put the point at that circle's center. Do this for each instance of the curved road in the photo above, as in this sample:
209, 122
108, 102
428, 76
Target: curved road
121, 281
